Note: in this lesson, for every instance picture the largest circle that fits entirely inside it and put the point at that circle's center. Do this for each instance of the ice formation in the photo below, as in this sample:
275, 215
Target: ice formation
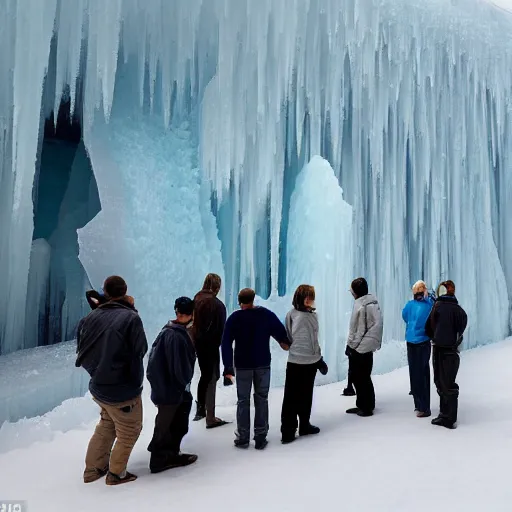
197, 117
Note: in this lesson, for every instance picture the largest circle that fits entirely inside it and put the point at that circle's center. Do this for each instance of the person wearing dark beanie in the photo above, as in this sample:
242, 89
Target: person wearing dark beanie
445, 327
364, 338
170, 371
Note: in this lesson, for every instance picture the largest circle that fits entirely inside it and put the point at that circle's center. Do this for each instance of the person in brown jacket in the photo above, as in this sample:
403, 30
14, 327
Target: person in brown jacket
209, 320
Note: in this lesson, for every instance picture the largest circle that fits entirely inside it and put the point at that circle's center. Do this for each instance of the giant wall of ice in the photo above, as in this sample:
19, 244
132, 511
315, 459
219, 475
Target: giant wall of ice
198, 117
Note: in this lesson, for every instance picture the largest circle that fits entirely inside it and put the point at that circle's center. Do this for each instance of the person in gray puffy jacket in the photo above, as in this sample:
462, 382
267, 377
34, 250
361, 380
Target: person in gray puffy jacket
364, 338
304, 359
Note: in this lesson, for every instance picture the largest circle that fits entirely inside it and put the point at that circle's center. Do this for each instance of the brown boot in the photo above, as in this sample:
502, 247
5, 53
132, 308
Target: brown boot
91, 475
117, 480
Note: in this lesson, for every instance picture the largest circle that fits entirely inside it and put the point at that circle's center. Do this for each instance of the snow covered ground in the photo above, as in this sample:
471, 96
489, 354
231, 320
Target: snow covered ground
391, 462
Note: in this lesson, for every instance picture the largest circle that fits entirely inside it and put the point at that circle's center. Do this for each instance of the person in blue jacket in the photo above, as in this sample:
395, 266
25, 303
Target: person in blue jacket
415, 315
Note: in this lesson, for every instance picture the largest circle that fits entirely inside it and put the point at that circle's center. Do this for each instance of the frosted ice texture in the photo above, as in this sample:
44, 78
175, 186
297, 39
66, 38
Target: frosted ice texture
409, 101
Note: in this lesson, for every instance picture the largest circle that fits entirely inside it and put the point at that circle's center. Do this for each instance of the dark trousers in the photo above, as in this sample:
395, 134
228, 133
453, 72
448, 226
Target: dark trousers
245, 379
298, 397
418, 357
360, 368
171, 426
446, 364
209, 365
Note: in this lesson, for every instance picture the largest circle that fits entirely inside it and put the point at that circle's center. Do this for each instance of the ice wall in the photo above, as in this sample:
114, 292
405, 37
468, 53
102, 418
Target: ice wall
156, 219
320, 247
409, 101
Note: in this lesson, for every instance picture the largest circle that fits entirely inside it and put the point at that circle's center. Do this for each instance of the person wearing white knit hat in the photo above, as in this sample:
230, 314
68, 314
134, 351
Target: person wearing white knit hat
415, 315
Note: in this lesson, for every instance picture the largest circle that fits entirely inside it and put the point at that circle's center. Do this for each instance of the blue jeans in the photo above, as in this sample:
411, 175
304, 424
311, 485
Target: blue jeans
418, 356
245, 379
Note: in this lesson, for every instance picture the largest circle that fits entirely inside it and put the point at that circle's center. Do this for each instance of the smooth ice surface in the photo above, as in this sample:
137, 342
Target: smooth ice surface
375, 464
34, 381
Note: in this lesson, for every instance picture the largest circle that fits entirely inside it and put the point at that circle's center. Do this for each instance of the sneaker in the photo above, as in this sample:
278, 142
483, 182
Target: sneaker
310, 430
260, 443
423, 414
200, 412
348, 392
117, 480
443, 422
239, 443
353, 410
94, 474
179, 461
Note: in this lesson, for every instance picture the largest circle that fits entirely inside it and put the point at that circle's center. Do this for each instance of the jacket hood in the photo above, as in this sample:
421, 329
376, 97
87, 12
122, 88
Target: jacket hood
367, 299
176, 326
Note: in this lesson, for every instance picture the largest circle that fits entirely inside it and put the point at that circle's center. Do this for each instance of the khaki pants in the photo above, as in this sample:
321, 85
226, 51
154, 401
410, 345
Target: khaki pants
121, 426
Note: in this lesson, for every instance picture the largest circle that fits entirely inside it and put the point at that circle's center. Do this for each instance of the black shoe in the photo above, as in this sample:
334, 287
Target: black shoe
310, 430
288, 438
261, 443
349, 392
200, 412
239, 443
353, 410
177, 461
365, 414
443, 422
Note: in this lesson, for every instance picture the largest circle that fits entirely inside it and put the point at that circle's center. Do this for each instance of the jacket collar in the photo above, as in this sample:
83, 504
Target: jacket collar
450, 299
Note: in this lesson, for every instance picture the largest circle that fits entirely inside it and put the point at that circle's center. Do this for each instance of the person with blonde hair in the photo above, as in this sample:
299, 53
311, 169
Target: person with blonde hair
304, 359
415, 315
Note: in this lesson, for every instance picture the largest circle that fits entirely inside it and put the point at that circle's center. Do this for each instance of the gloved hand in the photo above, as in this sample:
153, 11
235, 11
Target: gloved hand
322, 367
347, 350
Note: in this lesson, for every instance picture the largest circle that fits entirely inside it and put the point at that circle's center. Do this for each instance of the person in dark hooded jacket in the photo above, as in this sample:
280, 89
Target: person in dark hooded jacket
209, 321
170, 371
445, 327
111, 345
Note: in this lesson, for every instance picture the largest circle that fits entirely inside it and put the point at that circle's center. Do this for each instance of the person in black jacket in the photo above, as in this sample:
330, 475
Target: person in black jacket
170, 371
445, 327
209, 320
111, 345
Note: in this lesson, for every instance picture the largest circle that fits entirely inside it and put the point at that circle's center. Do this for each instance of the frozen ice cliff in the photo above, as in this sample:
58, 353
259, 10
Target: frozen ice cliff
161, 140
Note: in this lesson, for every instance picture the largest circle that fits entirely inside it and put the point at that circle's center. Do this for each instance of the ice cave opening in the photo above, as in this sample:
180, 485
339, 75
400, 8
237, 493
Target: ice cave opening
65, 197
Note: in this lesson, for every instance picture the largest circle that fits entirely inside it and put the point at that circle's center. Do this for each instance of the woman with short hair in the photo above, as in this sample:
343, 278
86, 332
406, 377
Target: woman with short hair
304, 359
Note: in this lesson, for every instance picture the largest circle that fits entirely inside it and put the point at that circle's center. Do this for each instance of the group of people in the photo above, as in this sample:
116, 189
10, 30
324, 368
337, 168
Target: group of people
111, 345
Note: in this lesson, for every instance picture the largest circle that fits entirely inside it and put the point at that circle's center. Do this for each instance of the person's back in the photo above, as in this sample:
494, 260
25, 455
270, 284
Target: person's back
209, 319
111, 345
171, 365
251, 329
415, 315
366, 326
447, 322
302, 329
207, 329
446, 325
170, 371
